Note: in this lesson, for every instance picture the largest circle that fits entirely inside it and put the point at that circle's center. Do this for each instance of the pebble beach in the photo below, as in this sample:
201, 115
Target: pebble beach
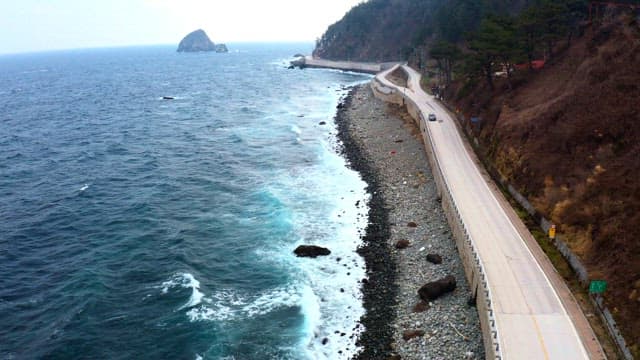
406, 224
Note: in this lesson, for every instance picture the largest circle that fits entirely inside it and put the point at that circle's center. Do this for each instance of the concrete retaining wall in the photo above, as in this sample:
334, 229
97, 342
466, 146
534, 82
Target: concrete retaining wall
370, 68
386, 94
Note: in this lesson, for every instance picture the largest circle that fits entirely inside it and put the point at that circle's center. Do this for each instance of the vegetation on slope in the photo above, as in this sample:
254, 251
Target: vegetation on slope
567, 137
387, 30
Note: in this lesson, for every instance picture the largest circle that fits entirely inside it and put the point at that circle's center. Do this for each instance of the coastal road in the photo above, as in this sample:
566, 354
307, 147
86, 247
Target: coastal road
533, 319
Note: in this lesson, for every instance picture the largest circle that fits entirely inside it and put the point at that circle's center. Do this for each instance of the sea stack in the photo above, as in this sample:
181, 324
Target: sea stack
198, 41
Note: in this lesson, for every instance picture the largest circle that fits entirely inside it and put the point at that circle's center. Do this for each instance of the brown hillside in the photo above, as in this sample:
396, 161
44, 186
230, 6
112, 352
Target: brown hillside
569, 138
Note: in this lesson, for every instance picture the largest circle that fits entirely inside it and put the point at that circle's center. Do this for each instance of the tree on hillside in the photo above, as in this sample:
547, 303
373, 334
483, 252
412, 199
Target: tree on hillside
495, 43
455, 18
542, 25
529, 33
446, 54
578, 11
553, 18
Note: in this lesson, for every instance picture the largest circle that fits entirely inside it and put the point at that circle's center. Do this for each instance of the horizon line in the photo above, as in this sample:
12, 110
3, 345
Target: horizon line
99, 47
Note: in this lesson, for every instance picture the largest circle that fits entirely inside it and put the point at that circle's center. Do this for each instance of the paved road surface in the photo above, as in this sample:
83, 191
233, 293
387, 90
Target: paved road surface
531, 319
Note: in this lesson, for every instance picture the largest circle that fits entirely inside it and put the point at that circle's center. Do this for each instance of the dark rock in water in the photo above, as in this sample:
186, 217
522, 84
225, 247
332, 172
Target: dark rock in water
221, 48
434, 258
311, 251
410, 334
411, 224
433, 290
298, 55
322, 123
199, 41
325, 341
402, 244
168, 98
421, 306
299, 63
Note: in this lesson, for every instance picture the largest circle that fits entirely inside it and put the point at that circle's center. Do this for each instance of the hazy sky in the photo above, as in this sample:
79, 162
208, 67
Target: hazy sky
34, 25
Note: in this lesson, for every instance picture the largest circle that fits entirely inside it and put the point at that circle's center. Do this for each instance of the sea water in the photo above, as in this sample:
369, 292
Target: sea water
134, 226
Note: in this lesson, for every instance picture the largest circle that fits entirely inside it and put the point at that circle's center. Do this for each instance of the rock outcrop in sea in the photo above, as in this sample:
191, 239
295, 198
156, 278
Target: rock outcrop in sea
198, 41
311, 251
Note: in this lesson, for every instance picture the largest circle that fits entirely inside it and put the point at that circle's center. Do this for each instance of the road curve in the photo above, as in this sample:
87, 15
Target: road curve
531, 321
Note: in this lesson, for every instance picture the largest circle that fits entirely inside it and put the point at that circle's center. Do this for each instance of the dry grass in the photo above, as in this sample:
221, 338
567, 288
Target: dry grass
568, 139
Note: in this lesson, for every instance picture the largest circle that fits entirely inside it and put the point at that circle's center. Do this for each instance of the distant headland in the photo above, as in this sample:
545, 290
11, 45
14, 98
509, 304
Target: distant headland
198, 41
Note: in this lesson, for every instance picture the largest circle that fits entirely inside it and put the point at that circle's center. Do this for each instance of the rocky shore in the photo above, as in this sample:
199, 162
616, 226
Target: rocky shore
406, 224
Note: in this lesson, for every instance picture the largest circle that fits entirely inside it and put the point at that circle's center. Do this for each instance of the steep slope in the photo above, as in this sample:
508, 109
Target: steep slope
387, 30
569, 139
377, 30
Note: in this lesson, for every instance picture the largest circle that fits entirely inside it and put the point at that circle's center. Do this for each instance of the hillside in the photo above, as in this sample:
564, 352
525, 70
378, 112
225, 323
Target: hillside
568, 139
389, 30
378, 30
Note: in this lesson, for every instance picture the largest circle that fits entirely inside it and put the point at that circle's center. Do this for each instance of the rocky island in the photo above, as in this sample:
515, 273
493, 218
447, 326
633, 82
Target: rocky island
198, 41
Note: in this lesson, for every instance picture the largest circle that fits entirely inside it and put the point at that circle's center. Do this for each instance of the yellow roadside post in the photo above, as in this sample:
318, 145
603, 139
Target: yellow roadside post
552, 232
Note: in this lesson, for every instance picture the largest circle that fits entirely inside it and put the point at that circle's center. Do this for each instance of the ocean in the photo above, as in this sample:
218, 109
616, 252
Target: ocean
135, 227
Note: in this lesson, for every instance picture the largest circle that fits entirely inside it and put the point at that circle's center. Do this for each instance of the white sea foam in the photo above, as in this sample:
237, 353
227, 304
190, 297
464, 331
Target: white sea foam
296, 129
231, 306
188, 281
84, 187
329, 208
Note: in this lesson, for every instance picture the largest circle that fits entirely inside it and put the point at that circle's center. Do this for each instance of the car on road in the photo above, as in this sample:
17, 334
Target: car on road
432, 117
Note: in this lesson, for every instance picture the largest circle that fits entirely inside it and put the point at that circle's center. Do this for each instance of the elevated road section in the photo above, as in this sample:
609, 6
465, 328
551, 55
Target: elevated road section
525, 309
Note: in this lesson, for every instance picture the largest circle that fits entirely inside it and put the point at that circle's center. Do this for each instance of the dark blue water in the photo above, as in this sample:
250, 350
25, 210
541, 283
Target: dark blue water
137, 227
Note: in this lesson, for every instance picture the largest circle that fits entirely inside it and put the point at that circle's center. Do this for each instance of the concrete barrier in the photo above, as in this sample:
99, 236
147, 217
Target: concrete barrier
385, 93
370, 68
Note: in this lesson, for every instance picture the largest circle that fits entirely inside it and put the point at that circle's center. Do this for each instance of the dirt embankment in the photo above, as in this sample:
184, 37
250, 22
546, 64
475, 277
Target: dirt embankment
569, 138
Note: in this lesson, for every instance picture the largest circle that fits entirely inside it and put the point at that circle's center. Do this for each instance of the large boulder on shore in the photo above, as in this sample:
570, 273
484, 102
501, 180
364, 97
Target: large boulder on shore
434, 259
197, 41
410, 334
311, 251
433, 290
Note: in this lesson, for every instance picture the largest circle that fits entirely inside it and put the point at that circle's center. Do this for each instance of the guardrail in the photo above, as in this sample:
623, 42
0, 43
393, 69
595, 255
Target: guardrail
474, 269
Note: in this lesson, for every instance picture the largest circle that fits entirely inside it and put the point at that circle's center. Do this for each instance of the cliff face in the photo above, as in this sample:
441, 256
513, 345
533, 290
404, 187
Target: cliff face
569, 139
199, 41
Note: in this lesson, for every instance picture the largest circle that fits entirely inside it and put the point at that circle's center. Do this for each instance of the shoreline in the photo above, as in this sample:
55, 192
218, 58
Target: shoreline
381, 143
379, 290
